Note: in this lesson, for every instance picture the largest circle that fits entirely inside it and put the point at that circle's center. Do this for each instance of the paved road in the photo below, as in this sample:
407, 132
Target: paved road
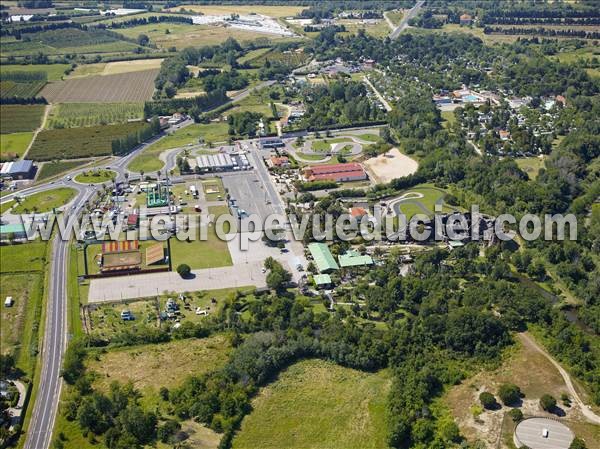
587, 412
385, 103
404, 22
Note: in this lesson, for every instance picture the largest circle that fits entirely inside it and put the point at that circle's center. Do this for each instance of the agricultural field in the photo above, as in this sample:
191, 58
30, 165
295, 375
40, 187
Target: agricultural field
67, 40
54, 72
50, 169
150, 367
267, 10
149, 160
45, 201
22, 277
74, 115
318, 405
73, 143
292, 59
9, 88
115, 68
13, 146
253, 54
20, 118
124, 87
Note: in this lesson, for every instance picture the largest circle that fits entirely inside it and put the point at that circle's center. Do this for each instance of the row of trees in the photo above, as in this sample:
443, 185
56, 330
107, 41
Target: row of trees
125, 144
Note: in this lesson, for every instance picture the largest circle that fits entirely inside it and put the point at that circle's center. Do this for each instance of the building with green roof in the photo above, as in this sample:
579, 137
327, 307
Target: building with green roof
354, 259
322, 280
16, 231
323, 258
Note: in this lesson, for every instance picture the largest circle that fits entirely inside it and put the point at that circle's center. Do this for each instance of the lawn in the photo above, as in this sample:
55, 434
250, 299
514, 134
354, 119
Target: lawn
74, 143
73, 115
210, 185
149, 161
54, 71
395, 16
317, 404
160, 365
20, 118
210, 253
431, 195
369, 137
13, 146
23, 258
449, 118
5, 206
50, 169
531, 165
45, 201
95, 176
325, 144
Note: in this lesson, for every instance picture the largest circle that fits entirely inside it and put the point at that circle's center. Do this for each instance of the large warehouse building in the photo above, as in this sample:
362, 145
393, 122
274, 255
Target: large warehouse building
222, 162
335, 172
17, 170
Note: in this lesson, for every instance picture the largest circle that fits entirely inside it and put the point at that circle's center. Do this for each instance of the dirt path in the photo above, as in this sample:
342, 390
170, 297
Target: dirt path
527, 340
35, 133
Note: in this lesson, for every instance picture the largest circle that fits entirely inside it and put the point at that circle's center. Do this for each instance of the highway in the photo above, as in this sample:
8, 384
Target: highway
404, 22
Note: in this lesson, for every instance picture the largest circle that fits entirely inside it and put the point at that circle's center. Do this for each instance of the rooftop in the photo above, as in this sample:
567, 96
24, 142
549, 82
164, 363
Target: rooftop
354, 259
322, 279
323, 258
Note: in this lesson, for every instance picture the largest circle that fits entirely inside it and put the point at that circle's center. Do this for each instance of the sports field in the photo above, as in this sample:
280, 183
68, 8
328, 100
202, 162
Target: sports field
318, 405
123, 87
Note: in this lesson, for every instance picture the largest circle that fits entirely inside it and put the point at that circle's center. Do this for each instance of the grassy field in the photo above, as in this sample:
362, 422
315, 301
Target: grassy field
210, 253
13, 146
378, 29
316, 404
5, 206
95, 176
148, 161
431, 195
50, 169
155, 366
267, 10
73, 143
123, 87
54, 71
448, 118
20, 118
74, 115
531, 165
395, 16
115, 68
22, 258
45, 201
209, 185
253, 54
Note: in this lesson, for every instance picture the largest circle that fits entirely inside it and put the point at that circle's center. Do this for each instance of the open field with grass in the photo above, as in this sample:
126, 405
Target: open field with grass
210, 253
267, 10
20, 118
489, 39
50, 169
74, 115
531, 165
5, 206
73, 143
45, 201
149, 159
22, 258
379, 29
317, 404
448, 118
395, 16
53, 71
160, 365
115, 68
535, 375
420, 205
123, 87
253, 54
95, 176
13, 146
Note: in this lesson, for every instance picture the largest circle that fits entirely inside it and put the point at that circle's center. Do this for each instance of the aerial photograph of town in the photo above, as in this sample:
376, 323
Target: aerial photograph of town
300, 224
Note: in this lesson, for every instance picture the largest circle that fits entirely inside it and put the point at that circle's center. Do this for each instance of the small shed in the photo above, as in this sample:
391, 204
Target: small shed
322, 280
8, 302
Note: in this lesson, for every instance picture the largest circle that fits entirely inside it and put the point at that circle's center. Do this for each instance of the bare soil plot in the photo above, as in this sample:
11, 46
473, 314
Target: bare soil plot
123, 87
391, 165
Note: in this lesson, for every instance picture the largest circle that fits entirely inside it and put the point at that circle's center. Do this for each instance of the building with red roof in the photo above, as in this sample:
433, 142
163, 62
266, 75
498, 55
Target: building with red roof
347, 172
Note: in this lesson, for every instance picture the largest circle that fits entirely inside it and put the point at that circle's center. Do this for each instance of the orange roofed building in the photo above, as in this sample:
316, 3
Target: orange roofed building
351, 171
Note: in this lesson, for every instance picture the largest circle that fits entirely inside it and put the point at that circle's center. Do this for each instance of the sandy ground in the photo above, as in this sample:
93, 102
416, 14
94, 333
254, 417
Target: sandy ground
113, 68
390, 165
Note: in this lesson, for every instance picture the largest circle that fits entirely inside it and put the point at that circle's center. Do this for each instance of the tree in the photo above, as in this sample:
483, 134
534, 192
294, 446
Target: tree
547, 402
509, 394
516, 415
143, 40
184, 270
577, 443
488, 400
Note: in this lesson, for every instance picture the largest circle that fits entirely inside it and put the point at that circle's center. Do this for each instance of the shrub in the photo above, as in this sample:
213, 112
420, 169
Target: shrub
509, 394
184, 270
547, 402
516, 415
577, 443
488, 400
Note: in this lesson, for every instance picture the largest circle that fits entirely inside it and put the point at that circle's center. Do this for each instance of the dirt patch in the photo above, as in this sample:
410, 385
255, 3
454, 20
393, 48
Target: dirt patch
114, 68
390, 165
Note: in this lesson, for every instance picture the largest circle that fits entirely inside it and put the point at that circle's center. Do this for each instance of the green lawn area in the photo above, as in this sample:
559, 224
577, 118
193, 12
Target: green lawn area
50, 169
14, 145
318, 405
46, 201
311, 156
430, 196
448, 118
210, 185
531, 165
23, 258
95, 176
149, 160
54, 71
324, 145
5, 206
210, 253
369, 137
395, 16
252, 54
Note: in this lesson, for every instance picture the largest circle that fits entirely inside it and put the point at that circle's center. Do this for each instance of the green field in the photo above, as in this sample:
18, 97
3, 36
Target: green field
210, 253
73, 115
148, 161
325, 144
318, 405
95, 176
54, 71
395, 16
448, 118
24, 90
531, 165
209, 185
22, 258
45, 201
20, 118
50, 169
72, 143
369, 137
431, 196
13, 146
